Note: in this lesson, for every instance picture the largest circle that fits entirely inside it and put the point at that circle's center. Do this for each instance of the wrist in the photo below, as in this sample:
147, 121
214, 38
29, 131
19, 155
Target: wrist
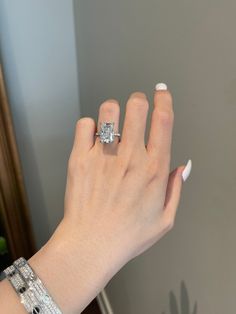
74, 265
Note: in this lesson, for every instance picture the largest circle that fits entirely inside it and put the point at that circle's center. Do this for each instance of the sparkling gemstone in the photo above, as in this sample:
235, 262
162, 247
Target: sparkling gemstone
107, 132
46, 299
31, 277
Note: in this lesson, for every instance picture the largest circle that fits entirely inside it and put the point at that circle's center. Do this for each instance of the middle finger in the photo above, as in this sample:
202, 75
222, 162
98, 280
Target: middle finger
135, 120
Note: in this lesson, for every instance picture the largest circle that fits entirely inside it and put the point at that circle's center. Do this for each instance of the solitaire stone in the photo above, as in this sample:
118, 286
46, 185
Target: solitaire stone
107, 132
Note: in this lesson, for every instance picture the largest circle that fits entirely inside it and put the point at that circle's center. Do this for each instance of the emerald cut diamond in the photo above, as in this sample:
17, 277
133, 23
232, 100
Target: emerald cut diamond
107, 134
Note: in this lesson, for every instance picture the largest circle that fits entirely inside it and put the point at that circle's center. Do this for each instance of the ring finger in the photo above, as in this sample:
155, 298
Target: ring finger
109, 111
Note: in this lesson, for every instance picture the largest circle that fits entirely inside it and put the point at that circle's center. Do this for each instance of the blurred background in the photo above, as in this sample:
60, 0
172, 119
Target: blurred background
61, 59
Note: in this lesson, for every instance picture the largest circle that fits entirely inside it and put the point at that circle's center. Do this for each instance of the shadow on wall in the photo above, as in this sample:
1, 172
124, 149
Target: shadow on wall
184, 302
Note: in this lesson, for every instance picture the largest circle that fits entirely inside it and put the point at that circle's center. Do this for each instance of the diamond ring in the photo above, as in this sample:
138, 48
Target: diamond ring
106, 133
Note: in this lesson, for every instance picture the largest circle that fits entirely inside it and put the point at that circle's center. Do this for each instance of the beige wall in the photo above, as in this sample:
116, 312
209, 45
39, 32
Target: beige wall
128, 45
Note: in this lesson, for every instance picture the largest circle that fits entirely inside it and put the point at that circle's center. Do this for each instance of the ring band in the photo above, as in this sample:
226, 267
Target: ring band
106, 133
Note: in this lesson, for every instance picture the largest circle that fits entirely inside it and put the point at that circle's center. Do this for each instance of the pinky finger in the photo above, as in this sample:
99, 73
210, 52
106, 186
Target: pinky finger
84, 134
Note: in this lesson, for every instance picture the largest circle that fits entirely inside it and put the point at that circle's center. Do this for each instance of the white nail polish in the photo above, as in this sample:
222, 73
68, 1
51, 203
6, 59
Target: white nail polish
161, 86
187, 170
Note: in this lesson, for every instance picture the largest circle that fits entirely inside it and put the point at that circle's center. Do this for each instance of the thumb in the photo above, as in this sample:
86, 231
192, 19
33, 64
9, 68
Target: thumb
174, 187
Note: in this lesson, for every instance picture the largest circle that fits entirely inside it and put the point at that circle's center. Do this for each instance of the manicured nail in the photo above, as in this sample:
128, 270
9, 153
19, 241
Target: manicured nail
161, 86
187, 170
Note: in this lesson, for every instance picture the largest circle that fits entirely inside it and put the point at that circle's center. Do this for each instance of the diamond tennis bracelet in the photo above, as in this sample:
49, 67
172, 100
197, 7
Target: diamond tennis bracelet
33, 294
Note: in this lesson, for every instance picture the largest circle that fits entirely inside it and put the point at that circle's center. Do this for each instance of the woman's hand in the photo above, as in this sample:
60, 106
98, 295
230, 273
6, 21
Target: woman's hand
120, 199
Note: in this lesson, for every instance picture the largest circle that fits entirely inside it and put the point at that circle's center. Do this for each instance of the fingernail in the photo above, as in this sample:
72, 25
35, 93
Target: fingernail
187, 170
161, 86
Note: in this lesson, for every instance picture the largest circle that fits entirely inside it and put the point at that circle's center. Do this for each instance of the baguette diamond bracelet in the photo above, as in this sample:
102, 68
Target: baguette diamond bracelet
33, 294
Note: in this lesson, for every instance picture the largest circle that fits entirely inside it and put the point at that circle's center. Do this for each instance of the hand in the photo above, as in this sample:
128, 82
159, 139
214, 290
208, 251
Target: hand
120, 198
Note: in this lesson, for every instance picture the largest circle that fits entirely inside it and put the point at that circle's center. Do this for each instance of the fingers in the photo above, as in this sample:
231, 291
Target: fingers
160, 135
173, 193
84, 134
159, 141
135, 120
109, 111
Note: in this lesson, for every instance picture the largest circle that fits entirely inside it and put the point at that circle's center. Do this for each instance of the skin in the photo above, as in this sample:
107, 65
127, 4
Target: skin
120, 199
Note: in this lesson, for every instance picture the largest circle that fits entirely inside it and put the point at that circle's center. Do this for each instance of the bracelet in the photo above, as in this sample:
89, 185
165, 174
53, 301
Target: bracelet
33, 294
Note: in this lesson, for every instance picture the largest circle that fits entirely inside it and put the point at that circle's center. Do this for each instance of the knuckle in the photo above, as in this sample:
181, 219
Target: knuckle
165, 117
139, 100
110, 105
